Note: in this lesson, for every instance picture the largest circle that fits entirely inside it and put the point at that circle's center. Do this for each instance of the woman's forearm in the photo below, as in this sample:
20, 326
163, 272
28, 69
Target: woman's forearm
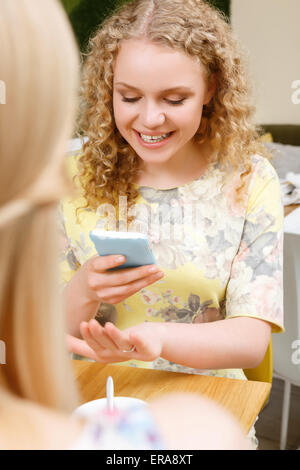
79, 306
234, 343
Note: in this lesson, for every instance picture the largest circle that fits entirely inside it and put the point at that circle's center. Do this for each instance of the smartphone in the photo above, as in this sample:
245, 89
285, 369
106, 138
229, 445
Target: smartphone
134, 245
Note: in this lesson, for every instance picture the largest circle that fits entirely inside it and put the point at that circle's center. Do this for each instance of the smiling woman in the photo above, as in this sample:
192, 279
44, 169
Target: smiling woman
158, 98
168, 114
40, 62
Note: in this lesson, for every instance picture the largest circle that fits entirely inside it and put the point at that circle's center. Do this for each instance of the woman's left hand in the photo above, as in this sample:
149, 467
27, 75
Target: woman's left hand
109, 344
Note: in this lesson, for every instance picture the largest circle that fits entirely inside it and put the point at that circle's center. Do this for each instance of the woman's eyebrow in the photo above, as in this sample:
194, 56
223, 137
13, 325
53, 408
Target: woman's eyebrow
175, 88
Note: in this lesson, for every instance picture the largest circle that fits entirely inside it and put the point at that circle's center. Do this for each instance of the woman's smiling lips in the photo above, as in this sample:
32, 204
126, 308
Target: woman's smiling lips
153, 145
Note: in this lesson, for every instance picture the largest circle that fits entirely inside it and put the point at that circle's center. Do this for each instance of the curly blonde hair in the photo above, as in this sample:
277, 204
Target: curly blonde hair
109, 165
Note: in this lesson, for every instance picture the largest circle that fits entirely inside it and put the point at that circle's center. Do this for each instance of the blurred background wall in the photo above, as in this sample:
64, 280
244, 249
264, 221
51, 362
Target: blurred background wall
270, 30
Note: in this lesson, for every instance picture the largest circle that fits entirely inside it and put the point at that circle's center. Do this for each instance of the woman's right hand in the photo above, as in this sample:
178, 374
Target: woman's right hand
113, 287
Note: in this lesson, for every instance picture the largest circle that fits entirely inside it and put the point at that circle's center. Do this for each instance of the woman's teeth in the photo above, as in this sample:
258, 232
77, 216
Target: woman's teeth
154, 138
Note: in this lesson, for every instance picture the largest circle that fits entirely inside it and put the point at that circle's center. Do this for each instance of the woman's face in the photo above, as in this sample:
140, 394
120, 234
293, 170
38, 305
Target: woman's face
158, 98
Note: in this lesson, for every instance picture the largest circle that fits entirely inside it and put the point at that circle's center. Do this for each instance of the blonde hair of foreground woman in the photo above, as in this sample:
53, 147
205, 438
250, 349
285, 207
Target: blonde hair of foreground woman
40, 68
40, 65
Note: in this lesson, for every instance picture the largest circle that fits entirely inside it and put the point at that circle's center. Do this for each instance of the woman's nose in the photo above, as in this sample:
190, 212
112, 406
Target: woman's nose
152, 116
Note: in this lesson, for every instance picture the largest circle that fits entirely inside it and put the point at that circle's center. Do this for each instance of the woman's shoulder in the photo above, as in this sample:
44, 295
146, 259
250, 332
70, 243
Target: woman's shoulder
29, 426
264, 176
71, 164
74, 146
75, 198
73, 155
265, 193
262, 166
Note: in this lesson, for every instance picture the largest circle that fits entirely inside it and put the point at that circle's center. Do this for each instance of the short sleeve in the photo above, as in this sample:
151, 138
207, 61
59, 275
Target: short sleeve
255, 288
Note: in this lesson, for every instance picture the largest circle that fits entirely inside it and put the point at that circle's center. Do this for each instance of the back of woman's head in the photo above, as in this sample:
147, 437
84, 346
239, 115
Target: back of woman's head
192, 27
40, 69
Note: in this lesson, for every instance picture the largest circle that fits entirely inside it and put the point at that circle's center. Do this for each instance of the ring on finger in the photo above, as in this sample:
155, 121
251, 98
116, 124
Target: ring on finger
132, 349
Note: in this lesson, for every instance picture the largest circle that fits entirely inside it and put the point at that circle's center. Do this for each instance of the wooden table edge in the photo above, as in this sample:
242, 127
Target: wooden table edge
220, 389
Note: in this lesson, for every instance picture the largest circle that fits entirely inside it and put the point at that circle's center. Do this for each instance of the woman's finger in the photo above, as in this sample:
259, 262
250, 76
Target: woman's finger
120, 338
99, 334
88, 337
102, 263
107, 292
80, 347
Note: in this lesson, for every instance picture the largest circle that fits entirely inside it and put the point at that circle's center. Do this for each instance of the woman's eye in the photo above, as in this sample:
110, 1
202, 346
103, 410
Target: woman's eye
175, 102
134, 100
129, 100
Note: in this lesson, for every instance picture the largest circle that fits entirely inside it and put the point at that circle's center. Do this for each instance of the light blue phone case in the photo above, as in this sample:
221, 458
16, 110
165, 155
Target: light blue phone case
135, 246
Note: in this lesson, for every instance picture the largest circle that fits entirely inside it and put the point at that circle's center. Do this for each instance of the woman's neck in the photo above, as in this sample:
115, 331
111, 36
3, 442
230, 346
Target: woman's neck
176, 171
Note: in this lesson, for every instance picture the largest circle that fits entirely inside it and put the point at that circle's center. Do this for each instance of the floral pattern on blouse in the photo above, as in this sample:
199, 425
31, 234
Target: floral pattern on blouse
222, 257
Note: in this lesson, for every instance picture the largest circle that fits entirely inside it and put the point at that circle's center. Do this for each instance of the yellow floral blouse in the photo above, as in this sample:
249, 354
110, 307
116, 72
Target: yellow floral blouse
222, 258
